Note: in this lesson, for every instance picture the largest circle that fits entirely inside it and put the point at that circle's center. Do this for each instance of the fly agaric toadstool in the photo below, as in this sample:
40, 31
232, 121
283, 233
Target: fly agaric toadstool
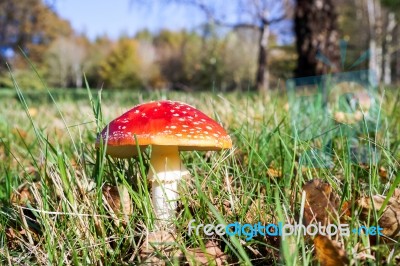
169, 127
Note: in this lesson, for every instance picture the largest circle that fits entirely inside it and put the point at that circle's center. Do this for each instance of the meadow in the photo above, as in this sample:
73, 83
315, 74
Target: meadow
52, 178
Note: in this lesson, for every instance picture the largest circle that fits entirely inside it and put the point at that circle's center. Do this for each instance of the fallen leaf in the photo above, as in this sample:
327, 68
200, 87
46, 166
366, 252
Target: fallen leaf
12, 238
383, 173
321, 202
23, 194
274, 173
19, 132
210, 255
329, 252
390, 219
119, 202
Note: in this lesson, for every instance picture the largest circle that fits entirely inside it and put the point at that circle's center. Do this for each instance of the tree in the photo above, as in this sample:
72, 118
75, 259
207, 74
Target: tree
65, 59
179, 57
254, 14
375, 34
119, 69
392, 10
316, 34
29, 25
98, 51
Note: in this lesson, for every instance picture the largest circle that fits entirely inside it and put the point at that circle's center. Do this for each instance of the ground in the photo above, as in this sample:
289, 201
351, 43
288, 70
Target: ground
55, 186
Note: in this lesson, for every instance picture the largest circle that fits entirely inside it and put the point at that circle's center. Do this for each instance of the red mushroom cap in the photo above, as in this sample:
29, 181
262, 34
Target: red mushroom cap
163, 123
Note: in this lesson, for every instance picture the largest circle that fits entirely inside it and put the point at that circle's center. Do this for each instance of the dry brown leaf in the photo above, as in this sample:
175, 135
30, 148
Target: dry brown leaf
346, 209
321, 202
12, 238
19, 132
119, 201
390, 219
211, 255
383, 173
274, 173
23, 194
329, 252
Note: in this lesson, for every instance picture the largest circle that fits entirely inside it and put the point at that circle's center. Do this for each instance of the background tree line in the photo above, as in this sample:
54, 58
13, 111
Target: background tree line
220, 55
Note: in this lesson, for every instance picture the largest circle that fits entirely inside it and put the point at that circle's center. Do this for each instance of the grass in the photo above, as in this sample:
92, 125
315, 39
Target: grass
47, 154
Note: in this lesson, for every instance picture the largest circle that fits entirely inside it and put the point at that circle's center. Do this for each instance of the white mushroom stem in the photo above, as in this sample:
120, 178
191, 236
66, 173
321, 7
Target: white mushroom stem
166, 170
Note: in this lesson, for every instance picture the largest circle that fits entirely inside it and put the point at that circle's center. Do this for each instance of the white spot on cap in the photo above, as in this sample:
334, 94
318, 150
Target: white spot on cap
173, 127
172, 110
216, 135
208, 127
175, 114
158, 104
184, 125
178, 135
137, 111
181, 119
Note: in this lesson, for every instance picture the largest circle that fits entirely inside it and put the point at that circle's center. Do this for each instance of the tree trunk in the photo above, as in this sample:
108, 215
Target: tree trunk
262, 75
316, 33
375, 31
397, 66
387, 66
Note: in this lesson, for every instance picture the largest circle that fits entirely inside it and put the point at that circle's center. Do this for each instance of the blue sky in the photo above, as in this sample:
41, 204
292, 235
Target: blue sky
116, 17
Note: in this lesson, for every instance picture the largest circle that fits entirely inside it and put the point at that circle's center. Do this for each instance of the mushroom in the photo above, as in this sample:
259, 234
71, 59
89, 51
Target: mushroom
169, 127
